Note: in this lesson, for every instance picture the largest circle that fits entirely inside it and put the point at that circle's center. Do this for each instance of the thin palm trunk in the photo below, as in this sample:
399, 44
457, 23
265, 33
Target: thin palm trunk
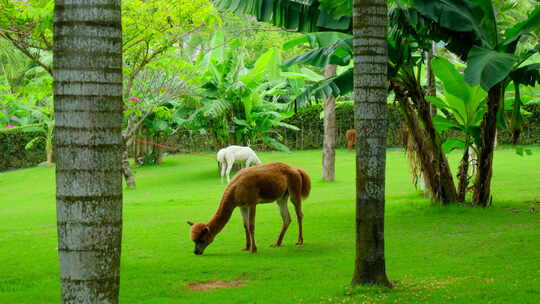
88, 146
463, 175
329, 149
370, 23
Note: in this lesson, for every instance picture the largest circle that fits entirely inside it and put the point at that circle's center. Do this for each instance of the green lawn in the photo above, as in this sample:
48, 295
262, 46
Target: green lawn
434, 255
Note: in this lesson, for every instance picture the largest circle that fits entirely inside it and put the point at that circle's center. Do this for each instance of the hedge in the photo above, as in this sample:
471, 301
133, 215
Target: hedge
311, 132
13, 154
311, 126
530, 134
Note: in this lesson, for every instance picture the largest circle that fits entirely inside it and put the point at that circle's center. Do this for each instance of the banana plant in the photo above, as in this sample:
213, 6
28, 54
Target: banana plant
463, 107
241, 104
528, 75
464, 104
492, 54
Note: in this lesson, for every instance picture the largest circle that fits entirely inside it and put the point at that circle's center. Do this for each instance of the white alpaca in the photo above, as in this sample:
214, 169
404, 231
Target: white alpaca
227, 156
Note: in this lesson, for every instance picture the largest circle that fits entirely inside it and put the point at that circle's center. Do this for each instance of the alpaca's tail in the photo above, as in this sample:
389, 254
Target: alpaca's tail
306, 183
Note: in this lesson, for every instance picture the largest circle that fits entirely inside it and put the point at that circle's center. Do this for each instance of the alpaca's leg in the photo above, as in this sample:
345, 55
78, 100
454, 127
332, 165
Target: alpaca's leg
297, 202
251, 229
223, 168
230, 164
285, 216
245, 216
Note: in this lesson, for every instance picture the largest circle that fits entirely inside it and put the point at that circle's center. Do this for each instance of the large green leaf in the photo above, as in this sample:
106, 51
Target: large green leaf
463, 16
339, 53
296, 15
217, 48
336, 86
436, 101
337, 8
527, 75
452, 78
487, 67
317, 40
305, 74
451, 144
463, 100
531, 24
266, 66
443, 123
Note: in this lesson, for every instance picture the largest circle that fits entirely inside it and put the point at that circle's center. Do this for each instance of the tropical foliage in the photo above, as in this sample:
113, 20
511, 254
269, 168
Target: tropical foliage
242, 105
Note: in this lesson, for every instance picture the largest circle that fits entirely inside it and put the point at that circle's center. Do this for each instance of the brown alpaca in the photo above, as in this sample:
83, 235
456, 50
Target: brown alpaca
256, 185
351, 138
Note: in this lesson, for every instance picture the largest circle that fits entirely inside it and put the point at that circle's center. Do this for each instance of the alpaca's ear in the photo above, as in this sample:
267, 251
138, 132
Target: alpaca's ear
190, 223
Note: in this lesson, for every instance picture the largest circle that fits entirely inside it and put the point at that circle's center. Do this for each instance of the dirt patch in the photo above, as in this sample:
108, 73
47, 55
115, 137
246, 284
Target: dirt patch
209, 285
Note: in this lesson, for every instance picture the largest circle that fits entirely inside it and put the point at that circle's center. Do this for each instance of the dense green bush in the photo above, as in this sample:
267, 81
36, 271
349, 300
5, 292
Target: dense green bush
13, 154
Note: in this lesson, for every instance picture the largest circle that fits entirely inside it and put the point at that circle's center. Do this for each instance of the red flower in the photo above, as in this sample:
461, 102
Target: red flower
134, 99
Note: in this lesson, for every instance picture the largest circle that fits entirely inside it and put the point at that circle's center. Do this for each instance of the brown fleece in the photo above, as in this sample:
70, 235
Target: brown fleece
351, 138
263, 183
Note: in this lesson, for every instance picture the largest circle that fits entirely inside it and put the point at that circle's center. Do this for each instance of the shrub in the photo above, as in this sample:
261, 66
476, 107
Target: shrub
13, 154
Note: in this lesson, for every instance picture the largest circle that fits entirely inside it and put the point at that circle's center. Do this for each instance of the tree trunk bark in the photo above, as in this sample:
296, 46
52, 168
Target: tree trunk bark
423, 149
432, 87
329, 150
370, 23
462, 176
446, 189
49, 157
88, 146
482, 185
126, 169
433, 161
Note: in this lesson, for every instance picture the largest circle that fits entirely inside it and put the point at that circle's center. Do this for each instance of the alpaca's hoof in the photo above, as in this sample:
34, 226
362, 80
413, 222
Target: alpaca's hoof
300, 243
245, 249
253, 250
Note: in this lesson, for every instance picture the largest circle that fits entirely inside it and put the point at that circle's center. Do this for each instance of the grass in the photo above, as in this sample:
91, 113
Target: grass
434, 255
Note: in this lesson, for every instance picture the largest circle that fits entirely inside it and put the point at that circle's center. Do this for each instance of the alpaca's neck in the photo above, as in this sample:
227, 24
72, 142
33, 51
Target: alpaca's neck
223, 214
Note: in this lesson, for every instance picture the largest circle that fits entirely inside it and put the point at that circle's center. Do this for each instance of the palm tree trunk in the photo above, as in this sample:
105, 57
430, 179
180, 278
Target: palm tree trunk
482, 185
329, 150
88, 146
370, 23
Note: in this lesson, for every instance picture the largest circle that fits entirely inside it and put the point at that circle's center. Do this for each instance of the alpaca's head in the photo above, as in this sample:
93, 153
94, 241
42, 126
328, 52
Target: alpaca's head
201, 236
